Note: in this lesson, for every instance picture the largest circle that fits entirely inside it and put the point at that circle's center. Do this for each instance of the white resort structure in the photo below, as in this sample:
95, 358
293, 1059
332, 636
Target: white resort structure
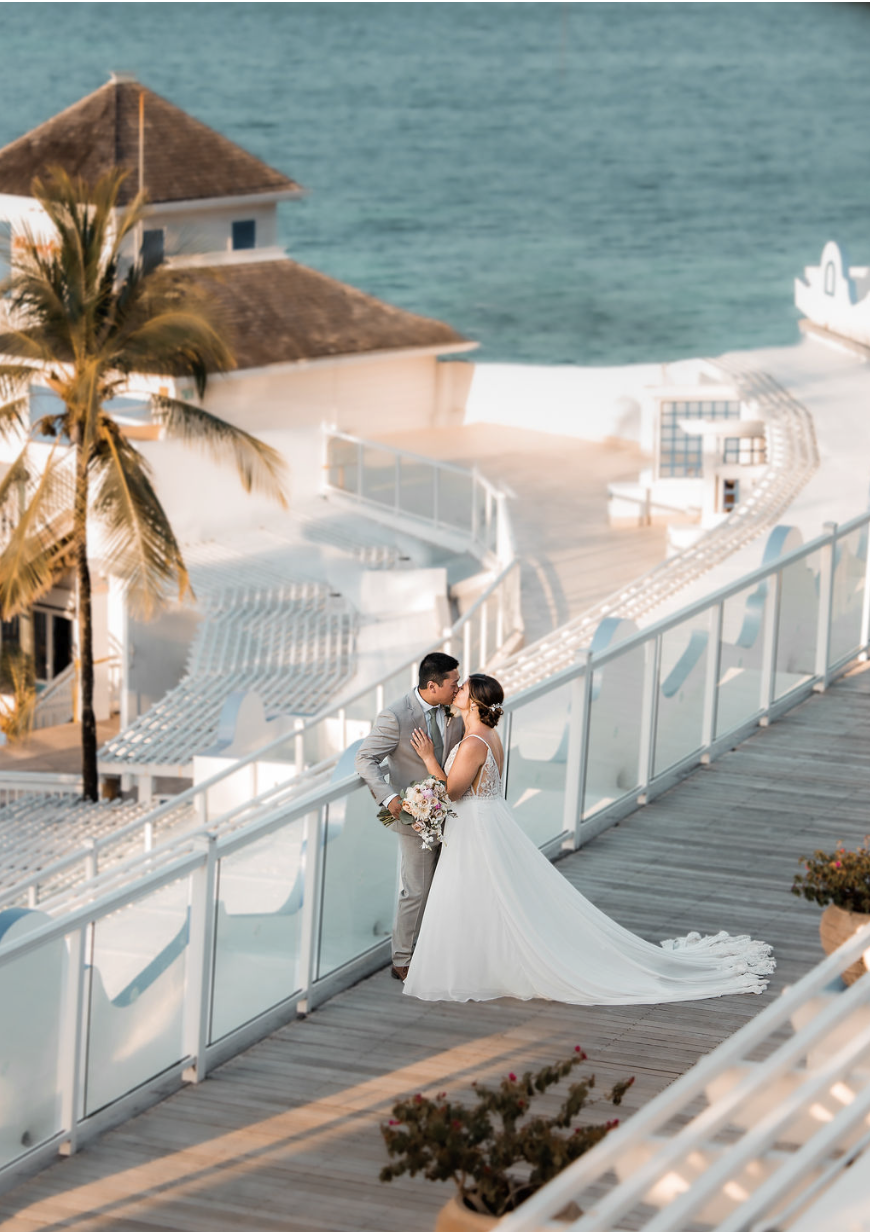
668, 568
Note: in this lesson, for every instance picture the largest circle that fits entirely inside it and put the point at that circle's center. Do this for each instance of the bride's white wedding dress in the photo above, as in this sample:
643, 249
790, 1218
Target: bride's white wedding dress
501, 921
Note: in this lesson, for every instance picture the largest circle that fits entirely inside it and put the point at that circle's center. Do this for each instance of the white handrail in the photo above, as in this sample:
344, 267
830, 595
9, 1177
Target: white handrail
603, 1216
490, 538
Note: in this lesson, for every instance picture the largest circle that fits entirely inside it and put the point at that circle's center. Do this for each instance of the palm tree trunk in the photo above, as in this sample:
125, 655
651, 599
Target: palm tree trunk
90, 785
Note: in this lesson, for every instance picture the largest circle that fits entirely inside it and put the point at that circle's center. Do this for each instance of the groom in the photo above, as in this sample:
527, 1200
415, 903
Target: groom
427, 707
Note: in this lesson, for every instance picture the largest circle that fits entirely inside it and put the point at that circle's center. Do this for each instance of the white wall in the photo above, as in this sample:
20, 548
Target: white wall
210, 230
593, 404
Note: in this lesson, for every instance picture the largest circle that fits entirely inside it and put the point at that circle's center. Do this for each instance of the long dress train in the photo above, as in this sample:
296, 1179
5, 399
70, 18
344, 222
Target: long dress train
501, 921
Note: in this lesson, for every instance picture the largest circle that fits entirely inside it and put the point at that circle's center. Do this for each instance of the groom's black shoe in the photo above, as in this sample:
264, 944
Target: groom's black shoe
398, 973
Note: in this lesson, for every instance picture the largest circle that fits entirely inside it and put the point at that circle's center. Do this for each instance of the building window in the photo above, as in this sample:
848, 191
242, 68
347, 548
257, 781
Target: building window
680, 456
245, 234
152, 249
730, 494
745, 450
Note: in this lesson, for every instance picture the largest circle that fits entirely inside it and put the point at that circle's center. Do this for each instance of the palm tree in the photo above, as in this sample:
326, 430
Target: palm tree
85, 320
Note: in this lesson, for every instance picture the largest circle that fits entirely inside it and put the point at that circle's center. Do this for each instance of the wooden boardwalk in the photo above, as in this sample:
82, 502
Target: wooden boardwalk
285, 1137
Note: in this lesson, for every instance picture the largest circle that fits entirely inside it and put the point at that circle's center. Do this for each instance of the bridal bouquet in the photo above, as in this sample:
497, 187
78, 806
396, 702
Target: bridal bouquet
428, 805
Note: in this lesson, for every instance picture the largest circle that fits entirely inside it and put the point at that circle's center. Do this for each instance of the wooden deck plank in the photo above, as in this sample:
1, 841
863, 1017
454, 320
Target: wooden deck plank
284, 1138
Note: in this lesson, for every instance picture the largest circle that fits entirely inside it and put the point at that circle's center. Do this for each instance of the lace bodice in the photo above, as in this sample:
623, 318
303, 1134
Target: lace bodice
489, 783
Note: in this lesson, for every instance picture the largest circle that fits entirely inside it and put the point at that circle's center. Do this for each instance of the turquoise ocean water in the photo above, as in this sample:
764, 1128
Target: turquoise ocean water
593, 184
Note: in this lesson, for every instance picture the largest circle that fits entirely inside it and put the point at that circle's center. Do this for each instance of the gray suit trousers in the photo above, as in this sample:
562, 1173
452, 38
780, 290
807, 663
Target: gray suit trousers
388, 746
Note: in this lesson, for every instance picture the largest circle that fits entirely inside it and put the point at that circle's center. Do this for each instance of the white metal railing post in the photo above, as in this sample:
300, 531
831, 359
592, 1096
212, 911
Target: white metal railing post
769, 646
584, 656
475, 484
379, 698
314, 840
299, 746
574, 759
72, 1042
711, 681
503, 545
865, 605
466, 667
648, 717
827, 556
91, 858
499, 617
484, 640
200, 959
325, 437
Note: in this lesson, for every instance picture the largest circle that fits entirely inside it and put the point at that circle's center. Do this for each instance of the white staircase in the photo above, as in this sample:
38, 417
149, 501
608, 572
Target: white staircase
291, 644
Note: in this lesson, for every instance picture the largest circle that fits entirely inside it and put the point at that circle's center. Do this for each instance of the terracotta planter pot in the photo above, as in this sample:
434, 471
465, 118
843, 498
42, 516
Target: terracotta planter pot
455, 1217
837, 926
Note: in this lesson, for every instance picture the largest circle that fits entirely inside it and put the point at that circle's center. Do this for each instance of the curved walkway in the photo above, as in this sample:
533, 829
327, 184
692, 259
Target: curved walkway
285, 1136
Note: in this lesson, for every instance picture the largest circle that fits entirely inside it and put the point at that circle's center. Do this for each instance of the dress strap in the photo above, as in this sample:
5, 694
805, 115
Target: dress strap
474, 736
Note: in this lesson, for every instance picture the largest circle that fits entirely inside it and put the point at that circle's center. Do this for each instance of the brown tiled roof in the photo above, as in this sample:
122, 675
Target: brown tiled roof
278, 311
184, 159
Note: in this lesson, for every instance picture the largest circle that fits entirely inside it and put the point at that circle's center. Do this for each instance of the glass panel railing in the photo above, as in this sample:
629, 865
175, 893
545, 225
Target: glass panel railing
417, 489
359, 881
139, 969
682, 679
613, 745
455, 496
850, 566
739, 684
343, 464
798, 625
538, 763
31, 990
258, 928
379, 477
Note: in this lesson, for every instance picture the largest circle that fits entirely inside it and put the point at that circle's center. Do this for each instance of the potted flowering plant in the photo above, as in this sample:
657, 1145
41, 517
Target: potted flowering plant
839, 881
496, 1151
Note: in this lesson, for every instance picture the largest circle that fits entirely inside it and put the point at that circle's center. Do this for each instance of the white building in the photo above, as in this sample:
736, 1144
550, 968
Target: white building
708, 448
834, 296
309, 349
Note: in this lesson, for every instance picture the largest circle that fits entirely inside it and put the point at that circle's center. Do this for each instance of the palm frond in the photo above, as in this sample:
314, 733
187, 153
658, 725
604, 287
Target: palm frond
30, 561
260, 467
141, 547
13, 418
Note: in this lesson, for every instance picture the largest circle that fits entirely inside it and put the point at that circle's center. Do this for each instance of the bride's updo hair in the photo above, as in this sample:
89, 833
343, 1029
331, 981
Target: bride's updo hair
487, 694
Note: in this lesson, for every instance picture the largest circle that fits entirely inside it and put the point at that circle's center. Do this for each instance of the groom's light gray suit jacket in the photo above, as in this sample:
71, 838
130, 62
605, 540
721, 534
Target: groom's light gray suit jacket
390, 740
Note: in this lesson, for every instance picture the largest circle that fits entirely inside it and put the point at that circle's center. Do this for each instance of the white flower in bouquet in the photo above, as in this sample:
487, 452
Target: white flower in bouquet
429, 805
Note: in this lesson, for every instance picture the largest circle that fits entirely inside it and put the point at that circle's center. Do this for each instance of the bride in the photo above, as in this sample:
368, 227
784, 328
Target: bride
501, 921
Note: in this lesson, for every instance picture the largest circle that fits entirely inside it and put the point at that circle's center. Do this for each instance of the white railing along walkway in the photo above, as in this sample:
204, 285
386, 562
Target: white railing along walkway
792, 458
15, 784
288, 765
163, 965
774, 1139
411, 490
